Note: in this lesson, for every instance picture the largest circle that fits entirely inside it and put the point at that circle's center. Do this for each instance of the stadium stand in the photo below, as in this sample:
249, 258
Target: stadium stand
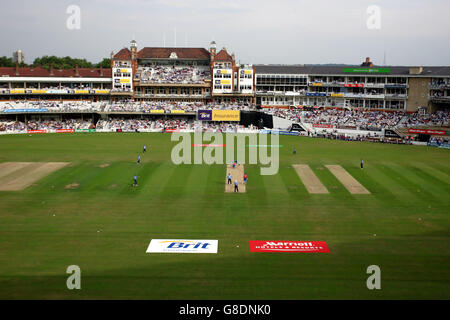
172, 74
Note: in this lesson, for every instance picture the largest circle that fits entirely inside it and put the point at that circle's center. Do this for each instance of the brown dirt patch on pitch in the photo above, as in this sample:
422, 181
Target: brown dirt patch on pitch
72, 186
309, 179
17, 176
104, 165
350, 183
7, 168
236, 174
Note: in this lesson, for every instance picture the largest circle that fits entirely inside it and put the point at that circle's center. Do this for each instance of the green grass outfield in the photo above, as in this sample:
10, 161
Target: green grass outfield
408, 210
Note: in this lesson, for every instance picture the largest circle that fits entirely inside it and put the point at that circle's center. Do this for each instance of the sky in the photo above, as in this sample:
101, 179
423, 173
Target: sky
407, 32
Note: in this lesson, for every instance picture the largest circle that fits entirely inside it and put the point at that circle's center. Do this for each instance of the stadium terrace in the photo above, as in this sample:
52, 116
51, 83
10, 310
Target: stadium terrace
166, 88
201, 75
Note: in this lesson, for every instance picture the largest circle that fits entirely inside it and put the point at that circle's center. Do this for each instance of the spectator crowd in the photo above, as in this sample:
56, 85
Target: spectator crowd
172, 74
20, 126
362, 119
437, 119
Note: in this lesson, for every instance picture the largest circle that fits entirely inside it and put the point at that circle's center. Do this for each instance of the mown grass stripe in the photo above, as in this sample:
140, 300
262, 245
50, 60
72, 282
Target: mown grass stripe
144, 172
154, 186
382, 186
429, 178
438, 176
177, 182
404, 179
393, 183
197, 181
296, 190
416, 176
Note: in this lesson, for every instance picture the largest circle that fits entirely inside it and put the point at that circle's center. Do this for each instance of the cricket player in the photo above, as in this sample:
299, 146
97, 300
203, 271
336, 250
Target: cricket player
295, 151
139, 159
135, 181
362, 163
229, 179
145, 148
245, 178
236, 186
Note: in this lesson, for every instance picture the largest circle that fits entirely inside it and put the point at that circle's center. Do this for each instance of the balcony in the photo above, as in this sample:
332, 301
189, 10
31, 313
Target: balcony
441, 86
444, 99
54, 91
172, 95
326, 84
316, 94
374, 96
396, 96
117, 92
396, 86
374, 85
354, 95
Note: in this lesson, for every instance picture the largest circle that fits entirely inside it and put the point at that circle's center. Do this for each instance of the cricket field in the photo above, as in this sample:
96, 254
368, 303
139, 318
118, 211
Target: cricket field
83, 210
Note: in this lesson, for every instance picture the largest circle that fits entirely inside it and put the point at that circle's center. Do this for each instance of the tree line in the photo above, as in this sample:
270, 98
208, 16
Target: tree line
57, 62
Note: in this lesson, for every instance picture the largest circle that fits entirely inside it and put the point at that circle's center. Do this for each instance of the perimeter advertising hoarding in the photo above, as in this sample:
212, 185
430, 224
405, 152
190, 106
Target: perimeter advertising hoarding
24, 110
391, 133
367, 70
204, 115
101, 91
288, 246
37, 131
279, 132
297, 127
218, 115
226, 115
424, 131
57, 91
284, 132
322, 125
182, 246
316, 94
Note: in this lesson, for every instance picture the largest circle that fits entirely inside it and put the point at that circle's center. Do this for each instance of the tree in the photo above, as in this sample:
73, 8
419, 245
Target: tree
105, 63
6, 62
61, 63
68, 62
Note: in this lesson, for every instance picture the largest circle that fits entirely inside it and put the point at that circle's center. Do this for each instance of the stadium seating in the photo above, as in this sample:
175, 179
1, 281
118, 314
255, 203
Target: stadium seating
172, 74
